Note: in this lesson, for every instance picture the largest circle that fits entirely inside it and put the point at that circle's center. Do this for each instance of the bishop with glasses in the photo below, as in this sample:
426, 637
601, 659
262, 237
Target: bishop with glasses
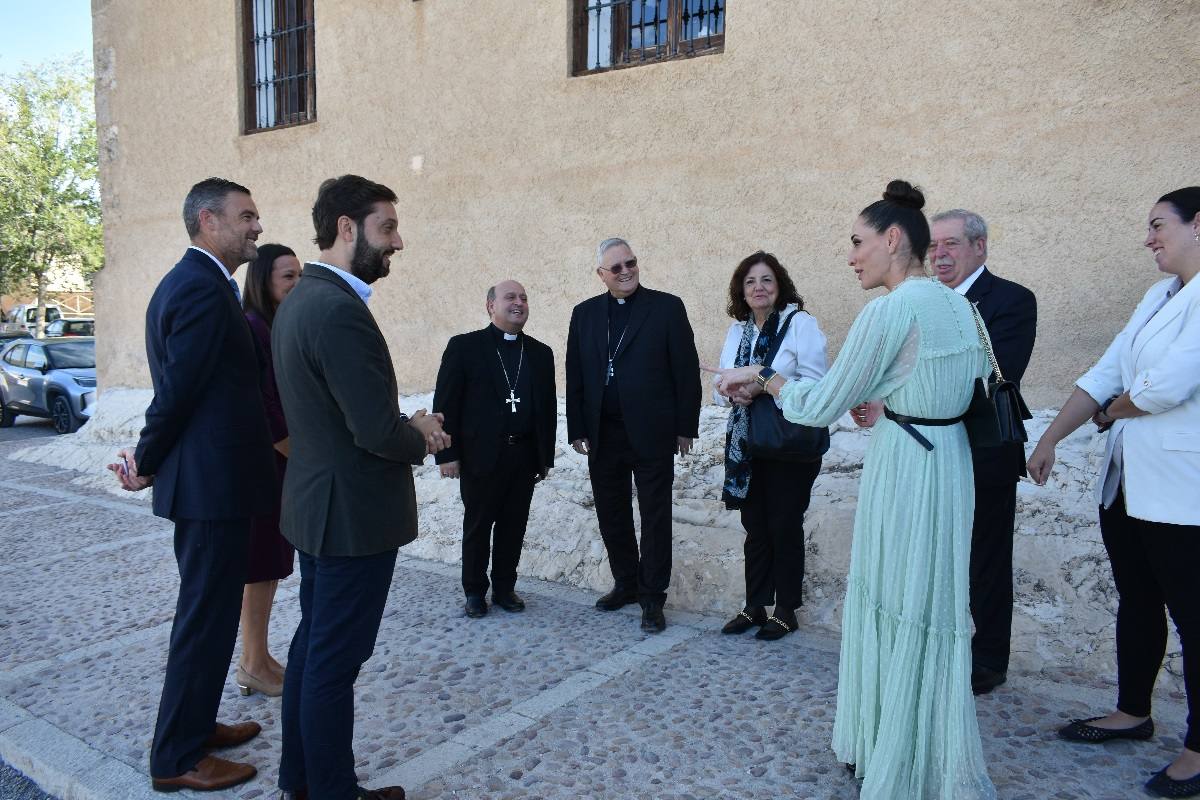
496, 391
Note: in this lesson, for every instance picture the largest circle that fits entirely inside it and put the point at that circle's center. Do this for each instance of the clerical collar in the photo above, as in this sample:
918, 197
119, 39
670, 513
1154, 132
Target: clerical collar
508, 337
623, 300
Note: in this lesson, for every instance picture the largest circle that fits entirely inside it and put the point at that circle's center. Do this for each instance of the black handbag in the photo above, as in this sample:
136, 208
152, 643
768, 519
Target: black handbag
995, 416
774, 438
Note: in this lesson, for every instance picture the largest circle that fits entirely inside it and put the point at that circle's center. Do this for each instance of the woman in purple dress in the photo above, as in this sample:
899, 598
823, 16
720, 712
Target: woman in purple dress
271, 275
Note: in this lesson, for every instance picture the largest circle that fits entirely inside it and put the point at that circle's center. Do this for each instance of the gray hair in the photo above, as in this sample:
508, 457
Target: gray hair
609, 244
491, 295
209, 194
973, 225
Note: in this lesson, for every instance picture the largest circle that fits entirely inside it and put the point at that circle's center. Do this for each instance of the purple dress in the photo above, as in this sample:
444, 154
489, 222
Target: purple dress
271, 556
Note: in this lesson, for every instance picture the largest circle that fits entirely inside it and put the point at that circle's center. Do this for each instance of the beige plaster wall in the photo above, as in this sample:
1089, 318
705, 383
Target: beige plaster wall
1060, 123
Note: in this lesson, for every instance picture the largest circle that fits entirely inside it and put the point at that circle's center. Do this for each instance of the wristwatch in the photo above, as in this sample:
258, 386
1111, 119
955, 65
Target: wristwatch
764, 377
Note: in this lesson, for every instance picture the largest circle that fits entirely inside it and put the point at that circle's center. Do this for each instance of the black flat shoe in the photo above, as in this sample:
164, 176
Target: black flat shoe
653, 620
1080, 731
749, 617
1163, 785
476, 607
509, 601
617, 598
776, 628
984, 680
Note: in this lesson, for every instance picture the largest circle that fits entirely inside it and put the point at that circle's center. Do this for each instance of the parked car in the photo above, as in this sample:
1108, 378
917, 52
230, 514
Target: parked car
53, 378
8, 336
24, 317
71, 326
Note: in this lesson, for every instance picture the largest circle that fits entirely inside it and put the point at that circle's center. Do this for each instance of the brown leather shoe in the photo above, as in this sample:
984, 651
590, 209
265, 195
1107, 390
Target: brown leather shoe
232, 735
210, 773
386, 793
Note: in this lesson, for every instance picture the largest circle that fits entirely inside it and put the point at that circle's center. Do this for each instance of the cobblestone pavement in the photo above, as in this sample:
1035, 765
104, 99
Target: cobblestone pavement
562, 701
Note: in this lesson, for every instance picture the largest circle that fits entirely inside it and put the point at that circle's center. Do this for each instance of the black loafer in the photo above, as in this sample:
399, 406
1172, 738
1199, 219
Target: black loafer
1163, 785
653, 620
617, 598
983, 680
476, 607
1080, 731
776, 628
509, 601
749, 617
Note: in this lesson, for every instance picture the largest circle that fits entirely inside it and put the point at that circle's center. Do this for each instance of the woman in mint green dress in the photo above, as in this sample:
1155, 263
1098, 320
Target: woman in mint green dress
905, 713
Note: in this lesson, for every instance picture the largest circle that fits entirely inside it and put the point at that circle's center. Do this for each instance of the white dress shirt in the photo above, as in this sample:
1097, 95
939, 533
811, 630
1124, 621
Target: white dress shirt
360, 288
970, 280
216, 261
801, 354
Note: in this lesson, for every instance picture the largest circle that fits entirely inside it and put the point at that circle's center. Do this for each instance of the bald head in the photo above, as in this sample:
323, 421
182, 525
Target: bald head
508, 306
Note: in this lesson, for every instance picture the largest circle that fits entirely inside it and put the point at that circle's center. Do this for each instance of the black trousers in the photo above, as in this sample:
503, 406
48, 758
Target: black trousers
1153, 564
211, 555
991, 573
614, 470
496, 512
341, 605
773, 516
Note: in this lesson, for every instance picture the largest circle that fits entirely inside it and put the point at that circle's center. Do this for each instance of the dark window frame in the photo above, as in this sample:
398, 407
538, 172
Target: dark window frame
623, 54
294, 81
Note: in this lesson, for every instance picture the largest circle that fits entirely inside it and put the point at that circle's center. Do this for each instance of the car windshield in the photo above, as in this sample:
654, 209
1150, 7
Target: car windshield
73, 355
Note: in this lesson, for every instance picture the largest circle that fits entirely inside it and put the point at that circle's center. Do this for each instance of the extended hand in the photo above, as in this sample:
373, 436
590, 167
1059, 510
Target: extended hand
449, 469
744, 395
1041, 462
430, 427
683, 444
126, 471
582, 446
730, 380
867, 414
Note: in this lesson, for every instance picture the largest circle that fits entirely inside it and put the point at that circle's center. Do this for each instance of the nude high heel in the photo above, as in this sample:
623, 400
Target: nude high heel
248, 684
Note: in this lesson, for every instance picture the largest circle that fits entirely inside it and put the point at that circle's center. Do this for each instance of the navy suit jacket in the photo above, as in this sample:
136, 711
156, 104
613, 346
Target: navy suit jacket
658, 368
206, 440
1009, 312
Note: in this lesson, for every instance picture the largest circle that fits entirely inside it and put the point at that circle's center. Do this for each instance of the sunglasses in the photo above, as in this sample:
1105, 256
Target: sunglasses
622, 266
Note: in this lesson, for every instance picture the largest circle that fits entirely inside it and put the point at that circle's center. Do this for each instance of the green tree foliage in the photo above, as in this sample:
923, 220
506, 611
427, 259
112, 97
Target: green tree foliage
49, 195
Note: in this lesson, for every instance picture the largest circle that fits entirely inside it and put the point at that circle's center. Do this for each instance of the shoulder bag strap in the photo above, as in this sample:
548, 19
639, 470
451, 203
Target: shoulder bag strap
775, 344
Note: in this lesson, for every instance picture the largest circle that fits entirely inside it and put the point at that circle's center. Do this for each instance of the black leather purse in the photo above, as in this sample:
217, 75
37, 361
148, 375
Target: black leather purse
995, 416
774, 438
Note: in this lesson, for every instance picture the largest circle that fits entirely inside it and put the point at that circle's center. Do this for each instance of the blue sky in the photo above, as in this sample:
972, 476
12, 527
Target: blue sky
44, 30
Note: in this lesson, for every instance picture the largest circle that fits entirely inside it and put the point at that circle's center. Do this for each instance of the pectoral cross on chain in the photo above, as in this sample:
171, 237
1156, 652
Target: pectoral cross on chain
512, 400
609, 375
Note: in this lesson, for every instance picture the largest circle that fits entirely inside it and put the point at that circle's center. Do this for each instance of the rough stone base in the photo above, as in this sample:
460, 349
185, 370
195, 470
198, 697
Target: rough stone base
1065, 605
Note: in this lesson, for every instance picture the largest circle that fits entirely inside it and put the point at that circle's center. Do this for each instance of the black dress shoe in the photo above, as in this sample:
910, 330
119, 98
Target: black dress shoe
299, 794
509, 601
749, 617
1163, 785
1080, 731
617, 598
386, 793
476, 607
653, 620
983, 679
777, 626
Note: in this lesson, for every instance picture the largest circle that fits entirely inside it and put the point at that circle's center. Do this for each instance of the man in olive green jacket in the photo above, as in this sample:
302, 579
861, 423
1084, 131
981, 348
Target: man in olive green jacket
348, 498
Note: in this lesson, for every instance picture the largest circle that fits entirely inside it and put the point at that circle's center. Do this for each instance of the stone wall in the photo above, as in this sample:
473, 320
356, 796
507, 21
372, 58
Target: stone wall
1065, 597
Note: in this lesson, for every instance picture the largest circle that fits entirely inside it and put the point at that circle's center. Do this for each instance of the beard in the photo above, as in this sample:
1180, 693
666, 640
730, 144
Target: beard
369, 263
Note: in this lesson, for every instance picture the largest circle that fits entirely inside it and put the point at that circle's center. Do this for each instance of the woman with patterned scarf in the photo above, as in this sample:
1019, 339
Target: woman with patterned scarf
771, 495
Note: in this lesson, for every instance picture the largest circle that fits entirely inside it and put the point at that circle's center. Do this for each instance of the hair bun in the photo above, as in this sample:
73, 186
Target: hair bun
903, 193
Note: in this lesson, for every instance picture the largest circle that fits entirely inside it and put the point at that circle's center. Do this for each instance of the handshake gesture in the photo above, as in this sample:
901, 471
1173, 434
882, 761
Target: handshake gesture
430, 426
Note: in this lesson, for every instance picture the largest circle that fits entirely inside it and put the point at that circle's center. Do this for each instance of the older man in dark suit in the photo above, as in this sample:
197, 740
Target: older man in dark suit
207, 450
633, 403
958, 254
348, 498
495, 388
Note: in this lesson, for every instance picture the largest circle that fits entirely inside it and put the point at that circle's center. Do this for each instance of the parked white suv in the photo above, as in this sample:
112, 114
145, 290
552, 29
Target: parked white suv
24, 317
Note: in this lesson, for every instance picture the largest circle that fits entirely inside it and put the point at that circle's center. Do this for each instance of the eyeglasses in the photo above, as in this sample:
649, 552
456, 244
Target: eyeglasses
622, 266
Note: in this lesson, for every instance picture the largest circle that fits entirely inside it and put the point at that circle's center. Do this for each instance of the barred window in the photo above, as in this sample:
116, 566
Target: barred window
281, 76
612, 34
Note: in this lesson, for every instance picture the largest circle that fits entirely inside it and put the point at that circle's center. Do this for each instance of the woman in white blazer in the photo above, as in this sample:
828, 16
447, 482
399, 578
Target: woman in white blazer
1146, 391
772, 496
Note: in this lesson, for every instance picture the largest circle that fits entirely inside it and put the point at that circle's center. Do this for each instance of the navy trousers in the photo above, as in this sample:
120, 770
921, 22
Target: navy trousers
212, 573
341, 604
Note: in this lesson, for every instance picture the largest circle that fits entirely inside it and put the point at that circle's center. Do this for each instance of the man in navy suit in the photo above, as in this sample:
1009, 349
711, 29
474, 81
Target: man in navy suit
633, 403
958, 255
207, 450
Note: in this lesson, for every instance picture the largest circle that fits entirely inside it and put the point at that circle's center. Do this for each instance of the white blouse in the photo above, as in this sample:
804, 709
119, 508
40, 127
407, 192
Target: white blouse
801, 354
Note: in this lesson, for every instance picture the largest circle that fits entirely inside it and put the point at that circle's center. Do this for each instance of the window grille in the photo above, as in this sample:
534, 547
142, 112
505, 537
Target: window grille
612, 34
280, 68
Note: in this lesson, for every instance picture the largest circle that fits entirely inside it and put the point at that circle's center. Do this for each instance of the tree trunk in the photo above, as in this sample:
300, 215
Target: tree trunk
40, 317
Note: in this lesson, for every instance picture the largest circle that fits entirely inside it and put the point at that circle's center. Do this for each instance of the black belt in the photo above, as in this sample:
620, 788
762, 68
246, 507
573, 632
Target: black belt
906, 422
514, 438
